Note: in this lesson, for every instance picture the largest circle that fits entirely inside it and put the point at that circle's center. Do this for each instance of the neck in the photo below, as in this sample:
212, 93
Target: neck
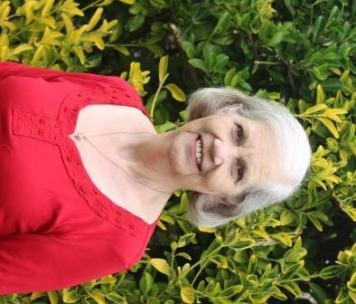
146, 158
150, 162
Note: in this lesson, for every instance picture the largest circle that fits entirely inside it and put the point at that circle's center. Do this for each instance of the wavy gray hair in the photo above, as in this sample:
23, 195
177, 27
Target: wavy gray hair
211, 211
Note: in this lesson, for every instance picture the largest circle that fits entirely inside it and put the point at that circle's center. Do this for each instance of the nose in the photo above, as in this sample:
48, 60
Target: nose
219, 151
222, 150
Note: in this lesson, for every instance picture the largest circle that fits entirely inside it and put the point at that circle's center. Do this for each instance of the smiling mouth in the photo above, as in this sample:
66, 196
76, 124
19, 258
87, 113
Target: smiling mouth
199, 152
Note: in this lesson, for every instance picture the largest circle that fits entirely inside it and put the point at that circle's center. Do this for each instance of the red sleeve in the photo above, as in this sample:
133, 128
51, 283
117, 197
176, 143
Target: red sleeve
24, 70
44, 262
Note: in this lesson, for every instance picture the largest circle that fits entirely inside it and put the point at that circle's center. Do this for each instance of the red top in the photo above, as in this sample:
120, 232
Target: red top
56, 228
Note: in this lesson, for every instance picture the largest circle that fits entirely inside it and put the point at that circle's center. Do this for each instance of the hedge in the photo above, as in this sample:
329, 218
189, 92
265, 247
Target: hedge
300, 53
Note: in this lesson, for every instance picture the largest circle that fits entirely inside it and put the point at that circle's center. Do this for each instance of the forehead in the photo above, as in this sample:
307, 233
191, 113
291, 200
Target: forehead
260, 152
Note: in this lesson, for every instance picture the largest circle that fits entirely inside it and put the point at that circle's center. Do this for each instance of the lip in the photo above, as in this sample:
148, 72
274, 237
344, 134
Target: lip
192, 152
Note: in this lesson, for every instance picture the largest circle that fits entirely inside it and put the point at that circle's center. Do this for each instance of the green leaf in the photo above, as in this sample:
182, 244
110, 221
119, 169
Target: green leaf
296, 253
163, 66
135, 22
176, 92
317, 27
320, 96
186, 239
222, 24
209, 55
167, 126
332, 271
293, 288
184, 255
315, 221
146, 282
289, 6
334, 11
228, 76
198, 63
189, 49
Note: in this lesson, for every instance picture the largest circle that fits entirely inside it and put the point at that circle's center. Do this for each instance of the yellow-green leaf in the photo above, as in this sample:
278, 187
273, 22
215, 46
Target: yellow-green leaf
22, 48
330, 126
320, 96
220, 260
95, 18
261, 233
97, 296
187, 294
286, 217
47, 7
122, 49
35, 295
333, 114
109, 279
161, 225
207, 229
167, 218
161, 265
67, 22
50, 37
176, 92
163, 66
53, 297
70, 7
283, 237
38, 55
130, 2
316, 108
78, 50
345, 76
70, 296
96, 38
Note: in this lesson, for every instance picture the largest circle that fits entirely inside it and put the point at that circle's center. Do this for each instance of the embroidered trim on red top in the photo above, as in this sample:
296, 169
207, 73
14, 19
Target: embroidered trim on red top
98, 202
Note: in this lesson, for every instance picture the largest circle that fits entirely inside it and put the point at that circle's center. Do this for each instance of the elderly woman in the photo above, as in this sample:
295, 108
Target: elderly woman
85, 176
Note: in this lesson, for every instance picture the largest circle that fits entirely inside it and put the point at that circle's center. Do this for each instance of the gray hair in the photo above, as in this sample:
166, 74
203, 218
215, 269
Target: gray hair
211, 211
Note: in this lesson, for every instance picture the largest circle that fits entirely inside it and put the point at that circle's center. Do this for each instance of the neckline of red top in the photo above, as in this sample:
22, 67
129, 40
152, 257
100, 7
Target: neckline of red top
97, 201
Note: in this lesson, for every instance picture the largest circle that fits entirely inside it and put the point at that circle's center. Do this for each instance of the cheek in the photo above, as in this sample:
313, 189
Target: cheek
218, 180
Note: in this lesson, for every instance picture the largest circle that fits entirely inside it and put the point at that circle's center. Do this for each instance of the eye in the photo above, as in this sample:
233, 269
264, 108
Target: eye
240, 170
239, 132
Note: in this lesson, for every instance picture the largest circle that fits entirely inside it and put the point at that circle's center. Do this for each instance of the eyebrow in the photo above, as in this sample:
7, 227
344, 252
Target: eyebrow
245, 136
246, 165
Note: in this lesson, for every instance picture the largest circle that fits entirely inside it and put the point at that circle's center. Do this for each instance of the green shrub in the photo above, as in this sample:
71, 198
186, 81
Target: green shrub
300, 53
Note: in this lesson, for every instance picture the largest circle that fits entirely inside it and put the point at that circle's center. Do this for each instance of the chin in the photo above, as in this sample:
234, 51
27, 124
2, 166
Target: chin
178, 156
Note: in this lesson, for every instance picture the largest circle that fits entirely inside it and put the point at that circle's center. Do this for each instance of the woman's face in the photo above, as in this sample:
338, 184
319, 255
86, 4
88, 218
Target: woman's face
236, 153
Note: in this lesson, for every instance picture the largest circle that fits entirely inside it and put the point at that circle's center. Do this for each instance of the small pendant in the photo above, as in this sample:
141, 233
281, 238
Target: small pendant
79, 136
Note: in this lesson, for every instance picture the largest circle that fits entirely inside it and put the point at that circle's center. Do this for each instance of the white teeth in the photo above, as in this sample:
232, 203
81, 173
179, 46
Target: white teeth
198, 151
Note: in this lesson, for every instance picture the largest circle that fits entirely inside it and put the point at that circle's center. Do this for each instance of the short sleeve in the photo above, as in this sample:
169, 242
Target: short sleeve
88, 80
44, 262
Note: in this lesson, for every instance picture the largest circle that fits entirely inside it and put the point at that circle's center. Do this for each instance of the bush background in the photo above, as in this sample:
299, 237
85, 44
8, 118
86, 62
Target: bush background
298, 52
